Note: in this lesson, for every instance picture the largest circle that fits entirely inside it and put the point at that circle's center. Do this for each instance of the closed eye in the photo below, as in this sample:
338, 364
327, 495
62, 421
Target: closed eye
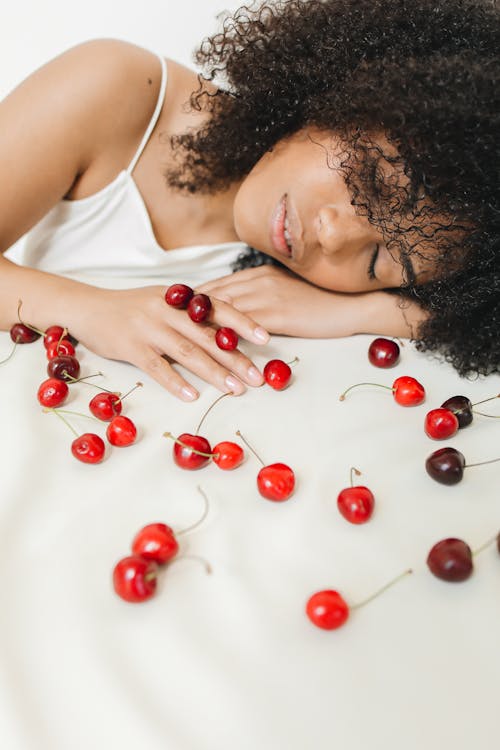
371, 267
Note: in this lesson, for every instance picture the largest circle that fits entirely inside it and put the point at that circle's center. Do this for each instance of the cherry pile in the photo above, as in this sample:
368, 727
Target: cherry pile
155, 545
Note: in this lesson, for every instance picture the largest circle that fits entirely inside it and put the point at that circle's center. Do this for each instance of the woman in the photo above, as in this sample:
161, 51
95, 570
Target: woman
353, 141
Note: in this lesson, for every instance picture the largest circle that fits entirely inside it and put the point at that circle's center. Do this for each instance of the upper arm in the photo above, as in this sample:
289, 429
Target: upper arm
87, 105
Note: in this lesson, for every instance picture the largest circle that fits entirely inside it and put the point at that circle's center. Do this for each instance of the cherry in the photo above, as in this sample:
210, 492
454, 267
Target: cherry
451, 560
105, 406
227, 455
157, 542
199, 307
383, 352
59, 348
446, 465
121, 431
20, 333
328, 610
226, 339
190, 451
441, 423
461, 407
53, 334
135, 578
406, 390
276, 481
52, 392
277, 374
88, 448
64, 367
178, 295
356, 503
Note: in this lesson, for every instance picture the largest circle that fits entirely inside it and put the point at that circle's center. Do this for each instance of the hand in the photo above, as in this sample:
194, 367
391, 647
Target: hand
137, 326
284, 303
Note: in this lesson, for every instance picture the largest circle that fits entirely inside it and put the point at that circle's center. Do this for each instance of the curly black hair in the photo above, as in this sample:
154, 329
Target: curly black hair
425, 73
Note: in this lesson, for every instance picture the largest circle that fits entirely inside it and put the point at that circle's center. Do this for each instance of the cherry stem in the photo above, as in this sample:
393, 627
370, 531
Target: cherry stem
189, 447
491, 398
199, 559
2, 361
75, 413
62, 336
210, 409
84, 380
381, 590
356, 472
294, 361
200, 519
28, 325
250, 447
378, 385
485, 544
55, 411
482, 414
137, 385
482, 463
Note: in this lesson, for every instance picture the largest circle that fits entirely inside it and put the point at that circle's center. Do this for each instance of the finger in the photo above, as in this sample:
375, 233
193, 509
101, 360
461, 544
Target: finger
226, 315
189, 353
154, 365
246, 275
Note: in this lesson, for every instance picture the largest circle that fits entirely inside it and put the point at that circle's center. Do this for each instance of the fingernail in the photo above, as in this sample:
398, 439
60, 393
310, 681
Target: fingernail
189, 394
234, 385
261, 335
255, 376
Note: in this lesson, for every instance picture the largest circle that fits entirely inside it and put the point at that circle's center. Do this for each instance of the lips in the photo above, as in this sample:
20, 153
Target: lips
277, 230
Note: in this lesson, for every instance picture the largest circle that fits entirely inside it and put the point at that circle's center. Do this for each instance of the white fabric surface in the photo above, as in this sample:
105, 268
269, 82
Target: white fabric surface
229, 661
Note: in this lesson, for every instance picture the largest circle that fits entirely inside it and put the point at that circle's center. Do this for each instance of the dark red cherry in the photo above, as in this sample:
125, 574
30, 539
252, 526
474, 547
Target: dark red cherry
178, 295
440, 424
199, 307
187, 458
383, 352
22, 334
64, 367
446, 465
277, 374
226, 339
461, 407
451, 560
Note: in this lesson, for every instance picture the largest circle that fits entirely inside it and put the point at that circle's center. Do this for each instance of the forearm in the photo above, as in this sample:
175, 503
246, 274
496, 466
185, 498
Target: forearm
384, 314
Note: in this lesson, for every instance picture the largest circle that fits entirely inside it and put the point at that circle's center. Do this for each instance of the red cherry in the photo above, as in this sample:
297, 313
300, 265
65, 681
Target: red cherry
277, 374
52, 334
23, 334
178, 295
383, 352
63, 367
440, 424
199, 307
226, 339
451, 560
356, 504
157, 542
407, 391
327, 609
121, 431
52, 392
60, 348
187, 458
276, 482
88, 448
227, 455
105, 406
134, 578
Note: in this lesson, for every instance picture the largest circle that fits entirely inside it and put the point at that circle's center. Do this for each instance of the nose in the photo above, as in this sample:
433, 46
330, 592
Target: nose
340, 229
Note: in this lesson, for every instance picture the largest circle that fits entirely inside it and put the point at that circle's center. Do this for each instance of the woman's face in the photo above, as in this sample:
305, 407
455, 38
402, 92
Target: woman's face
294, 205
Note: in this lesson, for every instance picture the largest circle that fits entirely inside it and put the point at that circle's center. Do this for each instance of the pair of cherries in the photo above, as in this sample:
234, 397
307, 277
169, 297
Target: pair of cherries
135, 576
198, 307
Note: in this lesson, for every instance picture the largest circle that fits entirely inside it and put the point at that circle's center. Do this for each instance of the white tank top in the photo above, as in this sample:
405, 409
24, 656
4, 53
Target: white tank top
110, 234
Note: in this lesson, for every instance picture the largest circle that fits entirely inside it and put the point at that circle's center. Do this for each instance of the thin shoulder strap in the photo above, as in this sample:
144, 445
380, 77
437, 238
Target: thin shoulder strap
156, 114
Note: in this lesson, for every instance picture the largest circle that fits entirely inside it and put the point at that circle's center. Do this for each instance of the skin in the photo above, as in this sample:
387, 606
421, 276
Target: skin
91, 107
